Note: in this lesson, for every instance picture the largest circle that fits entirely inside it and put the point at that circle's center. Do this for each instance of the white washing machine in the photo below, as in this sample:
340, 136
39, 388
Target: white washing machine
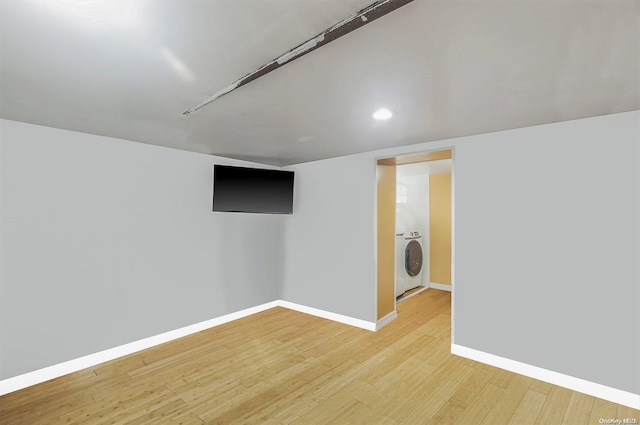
409, 261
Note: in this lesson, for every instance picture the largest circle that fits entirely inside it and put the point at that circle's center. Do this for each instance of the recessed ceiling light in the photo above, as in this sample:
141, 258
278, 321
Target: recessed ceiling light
382, 114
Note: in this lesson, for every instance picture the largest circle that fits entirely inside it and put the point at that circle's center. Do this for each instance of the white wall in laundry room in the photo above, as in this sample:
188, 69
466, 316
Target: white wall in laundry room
412, 201
412, 204
412, 198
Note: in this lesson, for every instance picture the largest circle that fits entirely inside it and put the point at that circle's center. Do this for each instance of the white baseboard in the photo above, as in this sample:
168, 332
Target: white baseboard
440, 286
41, 375
386, 320
576, 384
359, 323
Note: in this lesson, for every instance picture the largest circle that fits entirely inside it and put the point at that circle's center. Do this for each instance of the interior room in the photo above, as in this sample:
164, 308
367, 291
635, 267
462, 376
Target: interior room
502, 137
423, 225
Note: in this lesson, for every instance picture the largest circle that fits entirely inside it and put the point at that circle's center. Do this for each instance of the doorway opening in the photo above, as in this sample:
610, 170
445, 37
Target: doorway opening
414, 229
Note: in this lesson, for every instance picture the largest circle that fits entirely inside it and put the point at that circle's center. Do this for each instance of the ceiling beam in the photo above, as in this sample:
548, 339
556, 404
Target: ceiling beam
368, 14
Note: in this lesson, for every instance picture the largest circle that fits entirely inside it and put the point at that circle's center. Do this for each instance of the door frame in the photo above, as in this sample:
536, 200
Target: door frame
453, 226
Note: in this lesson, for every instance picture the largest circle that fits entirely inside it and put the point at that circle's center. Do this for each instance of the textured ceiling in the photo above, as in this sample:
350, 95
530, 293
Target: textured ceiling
448, 68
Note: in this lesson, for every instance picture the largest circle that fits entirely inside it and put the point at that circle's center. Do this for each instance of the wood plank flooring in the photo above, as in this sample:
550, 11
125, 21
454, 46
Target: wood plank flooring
285, 367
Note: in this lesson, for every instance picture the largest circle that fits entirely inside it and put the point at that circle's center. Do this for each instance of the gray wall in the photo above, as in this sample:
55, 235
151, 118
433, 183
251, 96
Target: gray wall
328, 241
546, 248
546, 244
106, 241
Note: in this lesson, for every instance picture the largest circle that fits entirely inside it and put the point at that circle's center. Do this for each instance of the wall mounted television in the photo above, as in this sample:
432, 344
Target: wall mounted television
252, 190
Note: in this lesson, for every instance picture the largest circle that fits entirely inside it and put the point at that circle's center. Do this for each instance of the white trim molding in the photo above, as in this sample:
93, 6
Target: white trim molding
386, 320
347, 320
41, 375
576, 384
440, 286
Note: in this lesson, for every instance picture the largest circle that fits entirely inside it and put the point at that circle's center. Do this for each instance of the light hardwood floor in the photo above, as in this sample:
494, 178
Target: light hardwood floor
281, 366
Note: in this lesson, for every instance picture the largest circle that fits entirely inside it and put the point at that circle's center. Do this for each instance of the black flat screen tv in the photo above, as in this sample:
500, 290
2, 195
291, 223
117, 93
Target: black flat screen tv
252, 190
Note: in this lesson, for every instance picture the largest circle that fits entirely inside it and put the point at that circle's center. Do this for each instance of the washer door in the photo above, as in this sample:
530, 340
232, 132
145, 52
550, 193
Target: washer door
413, 258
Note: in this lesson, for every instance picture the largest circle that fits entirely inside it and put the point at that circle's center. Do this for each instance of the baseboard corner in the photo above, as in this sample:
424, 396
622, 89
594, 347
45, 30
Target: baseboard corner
386, 320
440, 286
347, 320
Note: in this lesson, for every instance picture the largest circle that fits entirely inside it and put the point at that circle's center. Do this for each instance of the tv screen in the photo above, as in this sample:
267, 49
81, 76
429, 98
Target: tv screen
252, 190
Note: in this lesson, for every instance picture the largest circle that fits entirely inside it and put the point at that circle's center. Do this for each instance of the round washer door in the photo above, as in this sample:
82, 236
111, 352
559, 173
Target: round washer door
413, 258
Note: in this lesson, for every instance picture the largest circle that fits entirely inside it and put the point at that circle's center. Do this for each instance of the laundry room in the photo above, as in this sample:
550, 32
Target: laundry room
423, 227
